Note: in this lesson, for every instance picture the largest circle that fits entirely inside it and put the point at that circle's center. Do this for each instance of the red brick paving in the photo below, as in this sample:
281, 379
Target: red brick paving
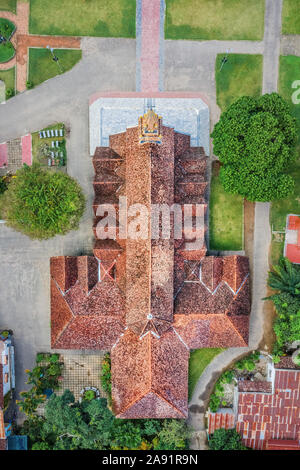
150, 45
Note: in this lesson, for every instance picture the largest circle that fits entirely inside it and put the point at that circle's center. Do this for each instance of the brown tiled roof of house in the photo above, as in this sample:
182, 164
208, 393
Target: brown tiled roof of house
149, 376
224, 419
286, 362
261, 386
89, 314
265, 416
150, 300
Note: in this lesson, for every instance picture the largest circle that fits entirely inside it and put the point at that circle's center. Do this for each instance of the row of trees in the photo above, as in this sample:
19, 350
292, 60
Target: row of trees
255, 140
70, 425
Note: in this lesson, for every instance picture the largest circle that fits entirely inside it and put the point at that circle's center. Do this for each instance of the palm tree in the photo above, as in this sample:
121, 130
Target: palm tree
285, 277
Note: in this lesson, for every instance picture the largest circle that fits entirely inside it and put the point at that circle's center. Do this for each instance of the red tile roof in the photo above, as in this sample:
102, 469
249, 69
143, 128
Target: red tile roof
265, 416
224, 419
282, 444
292, 249
122, 299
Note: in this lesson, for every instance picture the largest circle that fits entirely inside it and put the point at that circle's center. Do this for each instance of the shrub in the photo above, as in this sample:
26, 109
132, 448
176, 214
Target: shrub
89, 395
106, 376
29, 85
226, 439
214, 402
9, 93
42, 204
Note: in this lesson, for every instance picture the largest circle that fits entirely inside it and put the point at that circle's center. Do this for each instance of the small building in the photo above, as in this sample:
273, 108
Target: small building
265, 413
292, 238
7, 384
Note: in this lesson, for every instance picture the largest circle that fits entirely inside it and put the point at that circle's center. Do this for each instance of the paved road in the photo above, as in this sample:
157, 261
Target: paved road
24, 264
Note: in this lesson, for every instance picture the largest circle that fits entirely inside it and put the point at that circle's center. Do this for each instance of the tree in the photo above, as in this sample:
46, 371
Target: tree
173, 435
285, 277
226, 439
41, 203
255, 141
70, 425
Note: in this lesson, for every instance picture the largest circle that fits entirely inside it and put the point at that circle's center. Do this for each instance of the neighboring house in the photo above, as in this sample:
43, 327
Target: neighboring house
150, 301
267, 413
292, 238
7, 384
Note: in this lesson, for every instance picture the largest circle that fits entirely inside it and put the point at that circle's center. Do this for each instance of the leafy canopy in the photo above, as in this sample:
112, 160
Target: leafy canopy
285, 279
255, 141
70, 425
226, 439
42, 204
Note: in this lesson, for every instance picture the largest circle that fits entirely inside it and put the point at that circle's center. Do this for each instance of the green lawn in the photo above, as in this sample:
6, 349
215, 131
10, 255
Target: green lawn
291, 17
8, 77
199, 360
219, 19
241, 75
42, 67
288, 73
225, 217
9, 5
113, 18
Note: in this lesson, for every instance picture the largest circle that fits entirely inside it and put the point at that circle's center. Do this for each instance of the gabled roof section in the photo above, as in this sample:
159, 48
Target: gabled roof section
212, 331
90, 313
150, 374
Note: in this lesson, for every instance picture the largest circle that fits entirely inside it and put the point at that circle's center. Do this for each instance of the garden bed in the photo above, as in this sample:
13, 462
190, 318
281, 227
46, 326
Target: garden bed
52, 157
7, 50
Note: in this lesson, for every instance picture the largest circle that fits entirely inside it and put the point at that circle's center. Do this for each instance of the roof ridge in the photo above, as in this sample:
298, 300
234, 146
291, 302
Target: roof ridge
229, 318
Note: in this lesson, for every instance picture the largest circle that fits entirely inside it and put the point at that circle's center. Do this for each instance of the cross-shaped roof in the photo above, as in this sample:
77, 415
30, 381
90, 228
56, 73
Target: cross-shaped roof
149, 301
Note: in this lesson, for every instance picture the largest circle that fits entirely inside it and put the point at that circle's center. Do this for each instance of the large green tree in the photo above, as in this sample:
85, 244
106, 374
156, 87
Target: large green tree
255, 141
41, 203
70, 425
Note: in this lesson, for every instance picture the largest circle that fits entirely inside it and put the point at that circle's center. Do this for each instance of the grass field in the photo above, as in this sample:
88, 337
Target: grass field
220, 19
8, 5
291, 17
241, 75
8, 77
42, 67
289, 72
115, 18
225, 217
199, 360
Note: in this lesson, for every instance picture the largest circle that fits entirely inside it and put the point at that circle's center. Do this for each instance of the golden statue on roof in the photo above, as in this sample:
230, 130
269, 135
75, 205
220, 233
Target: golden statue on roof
150, 128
